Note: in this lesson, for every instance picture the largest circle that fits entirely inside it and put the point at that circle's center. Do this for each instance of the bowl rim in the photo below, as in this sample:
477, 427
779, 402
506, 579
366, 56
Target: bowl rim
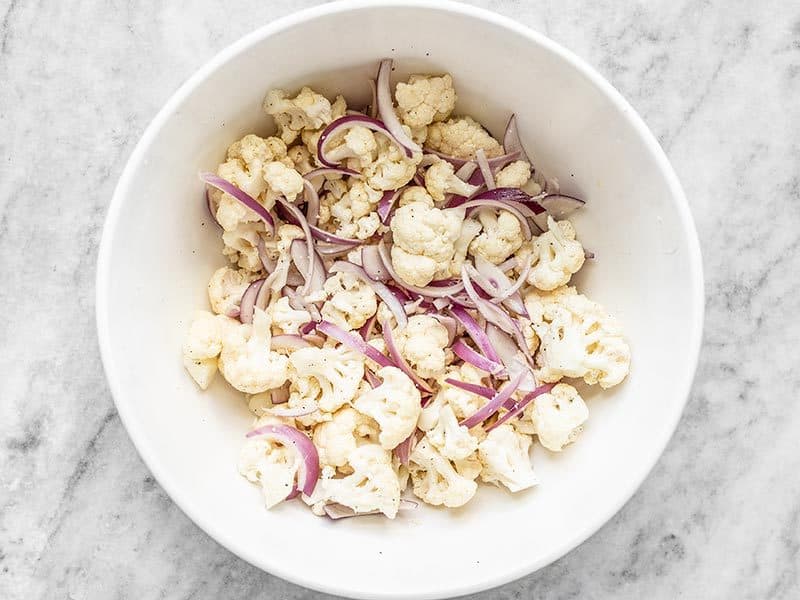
139, 438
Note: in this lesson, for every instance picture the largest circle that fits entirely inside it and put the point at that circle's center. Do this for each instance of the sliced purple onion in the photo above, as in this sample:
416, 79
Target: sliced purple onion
353, 341
560, 206
506, 194
497, 285
312, 202
449, 323
486, 170
475, 331
371, 378
297, 218
498, 162
308, 473
266, 260
476, 359
493, 405
289, 341
248, 301
511, 141
466, 170
331, 250
250, 202
348, 122
307, 269
520, 406
373, 265
386, 110
405, 448
432, 291
473, 388
510, 351
401, 362
365, 331
383, 292
491, 312
386, 205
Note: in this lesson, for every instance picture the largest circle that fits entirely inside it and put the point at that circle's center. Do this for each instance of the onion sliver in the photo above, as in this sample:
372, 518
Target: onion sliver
493, 405
348, 122
297, 411
312, 202
383, 292
386, 110
486, 170
373, 265
476, 359
308, 473
250, 202
473, 388
386, 204
522, 405
401, 363
491, 312
289, 341
498, 162
475, 331
404, 448
560, 206
248, 302
511, 141
353, 341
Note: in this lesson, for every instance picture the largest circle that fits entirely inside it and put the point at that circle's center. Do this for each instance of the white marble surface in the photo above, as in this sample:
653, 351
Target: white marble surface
717, 81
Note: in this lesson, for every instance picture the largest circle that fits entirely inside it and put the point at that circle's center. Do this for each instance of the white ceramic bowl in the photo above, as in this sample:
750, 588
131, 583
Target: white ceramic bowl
158, 251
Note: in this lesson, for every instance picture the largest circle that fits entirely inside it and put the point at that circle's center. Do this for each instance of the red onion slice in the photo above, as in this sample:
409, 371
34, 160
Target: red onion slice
493, 405
348, 122
430, 291
496, 284
486, 170
466, 170
248, 301
491, 312
307, 269
386, 205
353, 341
449, 323
405, 448
474, 388
383, 292
312, 202
331, 250
506, 194
266, 261
476, 359
475, 331
400, 361
308, 473
289, 341
521, 405
365, 331
498, 162
511, 141
560, 206
250, 202
373, 265
386, 110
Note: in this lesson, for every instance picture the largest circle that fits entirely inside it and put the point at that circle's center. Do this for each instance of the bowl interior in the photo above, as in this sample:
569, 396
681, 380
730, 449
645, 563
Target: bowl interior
159, 249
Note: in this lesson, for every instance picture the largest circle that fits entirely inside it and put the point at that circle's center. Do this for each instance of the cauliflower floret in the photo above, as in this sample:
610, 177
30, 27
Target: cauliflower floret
440, 179
301, 158
395, 405
246, 361
283, 180
225, 290
557, 417
271, 465
338, 438
245, 164
287, 319
358, 143
556, 256
392, 169
578, 338
354, 213
451, 439
351, 301
241, 245
335, 373
422, 342
434, 479
505, 458
514, 175
500, 238
469, 230
425, 99
203, 344
424, 241
462, 137
463, 403
415, 193
373, 484
307, 110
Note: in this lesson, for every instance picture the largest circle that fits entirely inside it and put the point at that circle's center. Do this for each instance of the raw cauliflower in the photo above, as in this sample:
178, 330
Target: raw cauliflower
372, 485
395, 405
337, 373
351, 301
302, 159
557, 417
283, 180
415, 193
240, 244
287, 320
422, 342
441, 179
225, 290
307, 110
462, 137
500, 238
358, 146
392, 169
463, 403
425, 99
505, 458
452, 440
246, 361
470, 228
514, 175
556, 256
245, 164
578, 338
338, 438
203, 344
424, 241
269, 464
435, 480
354, 211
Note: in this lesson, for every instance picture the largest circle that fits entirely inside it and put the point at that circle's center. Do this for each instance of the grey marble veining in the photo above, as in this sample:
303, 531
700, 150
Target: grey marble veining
718, 82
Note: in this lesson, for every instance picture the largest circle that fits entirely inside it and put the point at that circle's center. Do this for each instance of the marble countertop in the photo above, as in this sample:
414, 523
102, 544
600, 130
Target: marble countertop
719, 517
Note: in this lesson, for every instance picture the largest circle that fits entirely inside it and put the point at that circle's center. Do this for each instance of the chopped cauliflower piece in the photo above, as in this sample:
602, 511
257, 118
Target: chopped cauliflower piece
392, 169
338, 438
435, 480
271, 465
500, 238
424, 241
514, 175
241, 245
578, 338
557, 417
463, 403
415, 193
354, 212
302, 159
246, 361
202, 346
283, 180
453, 441
556, 256
425, 99
505, 458
351, 301
469, 230
337, 373
441, 179
307, 110
226, 288
287, 319
422, 342
395, 405
462, 137
358, 143
245, 165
